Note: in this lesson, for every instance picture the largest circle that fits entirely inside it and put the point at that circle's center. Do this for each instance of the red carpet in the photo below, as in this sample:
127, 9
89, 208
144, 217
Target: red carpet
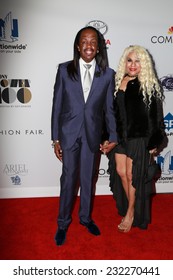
28, 226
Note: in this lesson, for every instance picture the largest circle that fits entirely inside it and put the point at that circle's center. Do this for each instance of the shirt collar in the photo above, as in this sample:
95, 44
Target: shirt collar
82, 62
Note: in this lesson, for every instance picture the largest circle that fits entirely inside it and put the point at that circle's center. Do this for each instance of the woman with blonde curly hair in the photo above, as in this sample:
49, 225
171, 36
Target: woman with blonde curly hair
140, 129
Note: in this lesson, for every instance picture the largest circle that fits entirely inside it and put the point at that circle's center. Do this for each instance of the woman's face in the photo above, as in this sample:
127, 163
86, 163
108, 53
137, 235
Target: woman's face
88, 45
133, 66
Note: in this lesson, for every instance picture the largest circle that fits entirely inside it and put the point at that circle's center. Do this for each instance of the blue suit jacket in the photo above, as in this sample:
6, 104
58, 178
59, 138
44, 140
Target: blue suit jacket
70, 112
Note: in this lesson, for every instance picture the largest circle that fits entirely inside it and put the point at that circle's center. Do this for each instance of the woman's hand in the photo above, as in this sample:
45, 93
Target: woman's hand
125, 81
153, 151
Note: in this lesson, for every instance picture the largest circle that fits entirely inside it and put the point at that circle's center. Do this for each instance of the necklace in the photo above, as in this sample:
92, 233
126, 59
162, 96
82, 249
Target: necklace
132, 77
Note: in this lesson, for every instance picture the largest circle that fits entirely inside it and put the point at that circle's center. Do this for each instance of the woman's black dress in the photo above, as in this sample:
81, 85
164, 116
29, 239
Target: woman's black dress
139, 130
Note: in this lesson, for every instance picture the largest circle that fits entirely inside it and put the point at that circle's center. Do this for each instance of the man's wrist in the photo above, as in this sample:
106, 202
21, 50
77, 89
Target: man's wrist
55, 142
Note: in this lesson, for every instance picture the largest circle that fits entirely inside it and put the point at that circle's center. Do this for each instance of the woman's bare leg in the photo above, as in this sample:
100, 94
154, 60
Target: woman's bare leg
131, 189
120, 160
124, 169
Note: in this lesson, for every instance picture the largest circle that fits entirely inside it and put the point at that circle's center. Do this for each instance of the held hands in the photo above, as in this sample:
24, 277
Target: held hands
57, 150
107, 146
153, 151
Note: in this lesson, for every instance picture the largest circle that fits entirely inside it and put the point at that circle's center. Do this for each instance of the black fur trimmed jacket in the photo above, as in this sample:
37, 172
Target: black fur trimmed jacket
135, 120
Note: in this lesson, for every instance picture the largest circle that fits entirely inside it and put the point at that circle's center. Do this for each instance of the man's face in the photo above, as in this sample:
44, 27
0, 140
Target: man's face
88, 45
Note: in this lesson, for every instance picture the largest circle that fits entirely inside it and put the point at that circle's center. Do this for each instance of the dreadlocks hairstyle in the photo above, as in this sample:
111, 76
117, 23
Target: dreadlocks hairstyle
101, 56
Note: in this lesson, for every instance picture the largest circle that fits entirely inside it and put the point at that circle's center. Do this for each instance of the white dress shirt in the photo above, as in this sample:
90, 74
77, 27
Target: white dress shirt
83, 69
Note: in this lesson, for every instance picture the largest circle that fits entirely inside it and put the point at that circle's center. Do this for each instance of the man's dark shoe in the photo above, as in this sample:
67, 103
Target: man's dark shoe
92, 228
60, 237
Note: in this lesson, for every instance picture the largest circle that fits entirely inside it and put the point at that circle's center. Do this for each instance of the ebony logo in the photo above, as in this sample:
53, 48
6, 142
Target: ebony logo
15, 90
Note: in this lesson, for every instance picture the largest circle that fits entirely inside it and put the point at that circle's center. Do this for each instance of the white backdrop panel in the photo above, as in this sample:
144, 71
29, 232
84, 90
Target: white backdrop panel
43, 35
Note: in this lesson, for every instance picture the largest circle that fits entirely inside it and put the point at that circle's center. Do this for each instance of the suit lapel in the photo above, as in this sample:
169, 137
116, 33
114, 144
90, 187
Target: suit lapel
96, 79
78, 87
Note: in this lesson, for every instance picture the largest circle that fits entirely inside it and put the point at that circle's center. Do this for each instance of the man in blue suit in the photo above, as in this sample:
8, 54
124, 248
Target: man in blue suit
77, 125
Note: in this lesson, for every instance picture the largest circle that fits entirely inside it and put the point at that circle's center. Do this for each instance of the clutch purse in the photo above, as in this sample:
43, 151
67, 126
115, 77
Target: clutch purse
153, 170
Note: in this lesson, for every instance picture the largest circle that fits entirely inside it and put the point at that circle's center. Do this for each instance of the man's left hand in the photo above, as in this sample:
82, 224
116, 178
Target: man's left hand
107, 146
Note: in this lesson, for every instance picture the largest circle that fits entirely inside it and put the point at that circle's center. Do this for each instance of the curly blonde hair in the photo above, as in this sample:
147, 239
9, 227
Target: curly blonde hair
147, 77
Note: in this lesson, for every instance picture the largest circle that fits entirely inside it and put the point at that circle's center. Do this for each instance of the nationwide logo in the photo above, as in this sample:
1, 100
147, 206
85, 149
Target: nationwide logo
168, 121
102, 27
9, 29
9, 33
163, 39
167, 82
166, 164
14, 92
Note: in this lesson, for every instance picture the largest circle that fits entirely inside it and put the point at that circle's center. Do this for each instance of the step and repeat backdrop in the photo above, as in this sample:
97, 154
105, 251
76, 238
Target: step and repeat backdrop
35, 36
